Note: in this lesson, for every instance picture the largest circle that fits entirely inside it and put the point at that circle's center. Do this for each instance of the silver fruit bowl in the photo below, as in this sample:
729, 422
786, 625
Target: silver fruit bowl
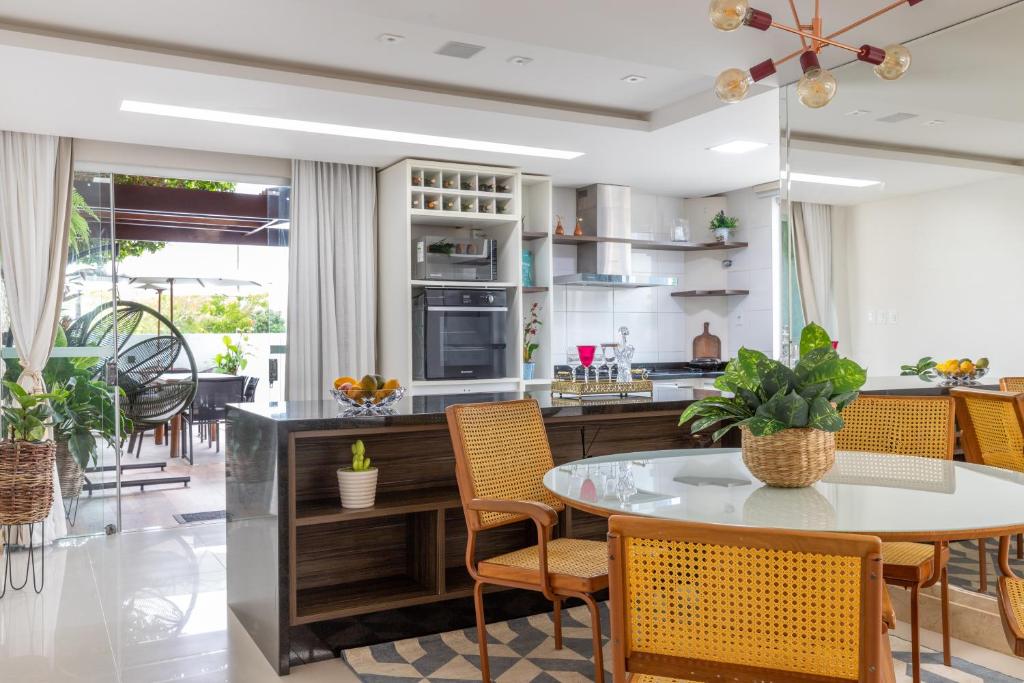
380, 402
961, 379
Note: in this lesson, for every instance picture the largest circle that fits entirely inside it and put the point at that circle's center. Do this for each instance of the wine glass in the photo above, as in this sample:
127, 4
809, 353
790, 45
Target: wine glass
587, 352
572, 359
608, 354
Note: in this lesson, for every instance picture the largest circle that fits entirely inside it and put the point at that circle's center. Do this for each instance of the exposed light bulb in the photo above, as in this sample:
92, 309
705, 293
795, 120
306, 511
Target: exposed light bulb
817, 86
896, 63
732, 85
728, 15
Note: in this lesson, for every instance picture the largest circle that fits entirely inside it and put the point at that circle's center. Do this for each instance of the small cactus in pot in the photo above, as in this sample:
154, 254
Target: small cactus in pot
358, 484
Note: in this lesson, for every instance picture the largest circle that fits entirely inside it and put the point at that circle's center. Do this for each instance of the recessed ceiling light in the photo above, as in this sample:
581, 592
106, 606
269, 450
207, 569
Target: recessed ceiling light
390, 38
302, 126
897, 117
934, 122
858, 112
737, 147
832, 180
519, 61
459, 50
634, 78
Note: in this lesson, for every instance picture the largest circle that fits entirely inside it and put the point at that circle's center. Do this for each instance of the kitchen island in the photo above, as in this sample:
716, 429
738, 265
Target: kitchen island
295, 557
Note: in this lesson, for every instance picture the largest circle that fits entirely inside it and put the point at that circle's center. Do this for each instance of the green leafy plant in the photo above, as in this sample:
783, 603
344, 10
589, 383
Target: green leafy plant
768, 397
530, 329
360, 463
233, 359
27, 418
722, 221
923, 369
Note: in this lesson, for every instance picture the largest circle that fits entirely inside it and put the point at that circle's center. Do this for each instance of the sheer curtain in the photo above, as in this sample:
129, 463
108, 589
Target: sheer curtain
812, 237
332, 261
35, 209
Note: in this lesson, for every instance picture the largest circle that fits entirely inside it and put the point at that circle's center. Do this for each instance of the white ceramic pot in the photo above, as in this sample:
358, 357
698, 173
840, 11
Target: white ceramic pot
722, 234
358, 489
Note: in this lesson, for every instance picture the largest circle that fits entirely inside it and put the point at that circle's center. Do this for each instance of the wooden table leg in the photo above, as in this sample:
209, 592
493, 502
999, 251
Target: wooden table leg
158, 435
175, 439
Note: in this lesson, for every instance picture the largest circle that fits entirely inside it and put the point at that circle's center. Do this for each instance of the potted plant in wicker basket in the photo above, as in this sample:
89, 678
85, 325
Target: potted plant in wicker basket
787, 417
26, 465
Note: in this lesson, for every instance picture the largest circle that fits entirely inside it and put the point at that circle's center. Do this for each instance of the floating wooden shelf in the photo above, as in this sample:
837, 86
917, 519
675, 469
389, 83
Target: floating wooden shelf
533, 235
534, 290
712, 292
650, 244
329, 510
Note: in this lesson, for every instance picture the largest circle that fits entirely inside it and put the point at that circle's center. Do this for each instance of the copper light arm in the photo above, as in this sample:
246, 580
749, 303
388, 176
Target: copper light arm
844, 29
820, 39
796, 20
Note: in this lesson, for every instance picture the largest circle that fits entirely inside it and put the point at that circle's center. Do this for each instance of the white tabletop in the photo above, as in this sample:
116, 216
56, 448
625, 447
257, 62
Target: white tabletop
892, 496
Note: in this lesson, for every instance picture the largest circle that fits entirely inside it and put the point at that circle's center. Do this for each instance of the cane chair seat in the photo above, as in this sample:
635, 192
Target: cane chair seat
1011, 610
911, 562
573, 564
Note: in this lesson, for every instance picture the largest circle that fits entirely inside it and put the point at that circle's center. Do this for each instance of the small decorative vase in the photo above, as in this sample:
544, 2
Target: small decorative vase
528, 369
792, 458
559, 228
722, 234
358, 489
578, 232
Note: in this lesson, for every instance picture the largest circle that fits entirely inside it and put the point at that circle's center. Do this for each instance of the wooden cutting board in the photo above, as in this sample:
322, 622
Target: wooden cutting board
707, 345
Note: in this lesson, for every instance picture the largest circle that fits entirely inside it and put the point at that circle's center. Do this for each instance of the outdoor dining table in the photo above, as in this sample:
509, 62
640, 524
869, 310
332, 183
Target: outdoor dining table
174, 437
893, 497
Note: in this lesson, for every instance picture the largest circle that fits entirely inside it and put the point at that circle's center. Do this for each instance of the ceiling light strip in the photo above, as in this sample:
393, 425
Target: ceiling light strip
320, 128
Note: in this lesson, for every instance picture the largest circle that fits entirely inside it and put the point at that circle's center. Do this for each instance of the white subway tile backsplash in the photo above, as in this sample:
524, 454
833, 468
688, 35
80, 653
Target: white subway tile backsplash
642, 328
672, 333
639, 300
588, 299
588, 328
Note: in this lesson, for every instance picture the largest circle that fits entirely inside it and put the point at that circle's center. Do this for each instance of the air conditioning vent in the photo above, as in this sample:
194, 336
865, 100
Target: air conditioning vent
897, 117
459, 50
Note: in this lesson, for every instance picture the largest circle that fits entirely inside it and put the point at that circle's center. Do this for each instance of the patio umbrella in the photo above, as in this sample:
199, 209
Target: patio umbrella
160, 283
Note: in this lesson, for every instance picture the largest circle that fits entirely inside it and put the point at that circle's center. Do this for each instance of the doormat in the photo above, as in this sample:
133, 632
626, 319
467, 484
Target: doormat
190, 517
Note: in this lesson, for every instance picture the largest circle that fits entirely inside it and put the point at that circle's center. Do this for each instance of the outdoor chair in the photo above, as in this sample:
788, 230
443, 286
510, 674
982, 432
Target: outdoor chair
210, 406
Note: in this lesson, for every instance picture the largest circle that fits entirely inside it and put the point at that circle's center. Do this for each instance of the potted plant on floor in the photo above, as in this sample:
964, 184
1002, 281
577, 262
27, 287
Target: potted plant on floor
530, 329
722, 226
26, 456
358, 483
787, 417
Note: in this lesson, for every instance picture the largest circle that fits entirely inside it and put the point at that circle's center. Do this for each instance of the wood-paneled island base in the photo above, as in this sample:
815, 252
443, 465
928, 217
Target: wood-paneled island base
295, 556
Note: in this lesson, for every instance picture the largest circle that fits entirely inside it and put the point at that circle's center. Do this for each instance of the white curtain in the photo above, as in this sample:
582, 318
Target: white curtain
332, 262
35, 209
812, 236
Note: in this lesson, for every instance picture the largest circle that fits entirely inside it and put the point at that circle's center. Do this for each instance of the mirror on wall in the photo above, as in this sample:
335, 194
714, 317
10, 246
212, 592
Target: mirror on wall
903, 204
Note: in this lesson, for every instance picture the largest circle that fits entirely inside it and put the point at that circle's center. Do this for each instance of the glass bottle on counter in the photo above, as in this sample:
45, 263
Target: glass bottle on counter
624, 356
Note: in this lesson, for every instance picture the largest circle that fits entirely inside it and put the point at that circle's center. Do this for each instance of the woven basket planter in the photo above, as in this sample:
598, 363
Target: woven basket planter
69, 472
26, 481
792, 458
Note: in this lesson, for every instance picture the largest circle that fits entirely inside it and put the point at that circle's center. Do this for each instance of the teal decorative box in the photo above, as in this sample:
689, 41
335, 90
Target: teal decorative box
527, 268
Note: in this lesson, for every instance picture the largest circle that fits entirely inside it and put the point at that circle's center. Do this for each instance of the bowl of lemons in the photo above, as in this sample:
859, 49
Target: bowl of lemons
371, 395
957, 372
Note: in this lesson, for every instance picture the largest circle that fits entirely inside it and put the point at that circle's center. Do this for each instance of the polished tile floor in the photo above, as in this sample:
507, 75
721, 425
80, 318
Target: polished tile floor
149, 607
144, 607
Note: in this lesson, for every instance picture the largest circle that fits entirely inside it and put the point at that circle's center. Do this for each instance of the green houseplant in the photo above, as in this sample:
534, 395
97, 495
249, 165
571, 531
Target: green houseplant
233, 359
358, 484
787, 417
530, 329
26, 456
723, 226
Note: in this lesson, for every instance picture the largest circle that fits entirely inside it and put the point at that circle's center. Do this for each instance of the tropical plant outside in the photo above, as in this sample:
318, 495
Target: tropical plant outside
233, 359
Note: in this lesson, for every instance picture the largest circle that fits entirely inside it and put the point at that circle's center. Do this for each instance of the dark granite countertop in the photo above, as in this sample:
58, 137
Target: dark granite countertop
414, 410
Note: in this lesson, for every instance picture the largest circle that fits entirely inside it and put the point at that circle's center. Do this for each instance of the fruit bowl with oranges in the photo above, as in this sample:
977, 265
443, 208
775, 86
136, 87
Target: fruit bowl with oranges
371, 395
961, 371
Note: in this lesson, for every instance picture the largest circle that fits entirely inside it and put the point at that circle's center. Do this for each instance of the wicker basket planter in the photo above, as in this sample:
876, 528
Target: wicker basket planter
69, 472
792, 458
26, 481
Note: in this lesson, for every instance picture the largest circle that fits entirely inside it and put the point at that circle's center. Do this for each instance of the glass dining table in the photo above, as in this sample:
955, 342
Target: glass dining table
894, 497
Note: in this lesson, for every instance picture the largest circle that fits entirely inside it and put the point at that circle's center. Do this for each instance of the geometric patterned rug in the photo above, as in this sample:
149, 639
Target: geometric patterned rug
963, 564
522, 651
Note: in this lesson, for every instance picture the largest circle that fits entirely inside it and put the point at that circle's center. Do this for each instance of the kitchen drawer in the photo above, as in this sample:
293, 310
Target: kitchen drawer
476, 386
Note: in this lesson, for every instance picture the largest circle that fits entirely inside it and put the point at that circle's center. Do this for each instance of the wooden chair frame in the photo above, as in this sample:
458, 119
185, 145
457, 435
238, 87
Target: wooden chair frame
875, 660
544, 518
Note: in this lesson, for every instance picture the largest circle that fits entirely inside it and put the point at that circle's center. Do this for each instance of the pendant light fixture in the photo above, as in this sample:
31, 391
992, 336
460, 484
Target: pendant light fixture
817, 86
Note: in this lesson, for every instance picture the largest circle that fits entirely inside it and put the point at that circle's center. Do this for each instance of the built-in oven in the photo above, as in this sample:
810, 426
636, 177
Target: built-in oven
459, 333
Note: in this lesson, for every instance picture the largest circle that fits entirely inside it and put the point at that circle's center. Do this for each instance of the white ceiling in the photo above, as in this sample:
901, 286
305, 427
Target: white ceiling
69, 64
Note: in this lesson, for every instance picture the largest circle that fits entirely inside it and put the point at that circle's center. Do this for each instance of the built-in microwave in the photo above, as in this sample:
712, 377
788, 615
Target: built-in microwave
459, 333
455, 259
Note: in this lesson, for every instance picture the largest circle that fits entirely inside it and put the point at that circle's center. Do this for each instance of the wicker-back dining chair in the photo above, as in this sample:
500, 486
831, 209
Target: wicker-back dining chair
705, 602
1014, 384
922, 426
501, 456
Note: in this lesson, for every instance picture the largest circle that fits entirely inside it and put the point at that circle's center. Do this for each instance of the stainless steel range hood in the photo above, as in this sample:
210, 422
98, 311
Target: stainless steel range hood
606, 210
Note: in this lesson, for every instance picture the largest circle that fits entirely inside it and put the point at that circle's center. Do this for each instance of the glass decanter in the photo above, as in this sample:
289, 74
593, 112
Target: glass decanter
624, 357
